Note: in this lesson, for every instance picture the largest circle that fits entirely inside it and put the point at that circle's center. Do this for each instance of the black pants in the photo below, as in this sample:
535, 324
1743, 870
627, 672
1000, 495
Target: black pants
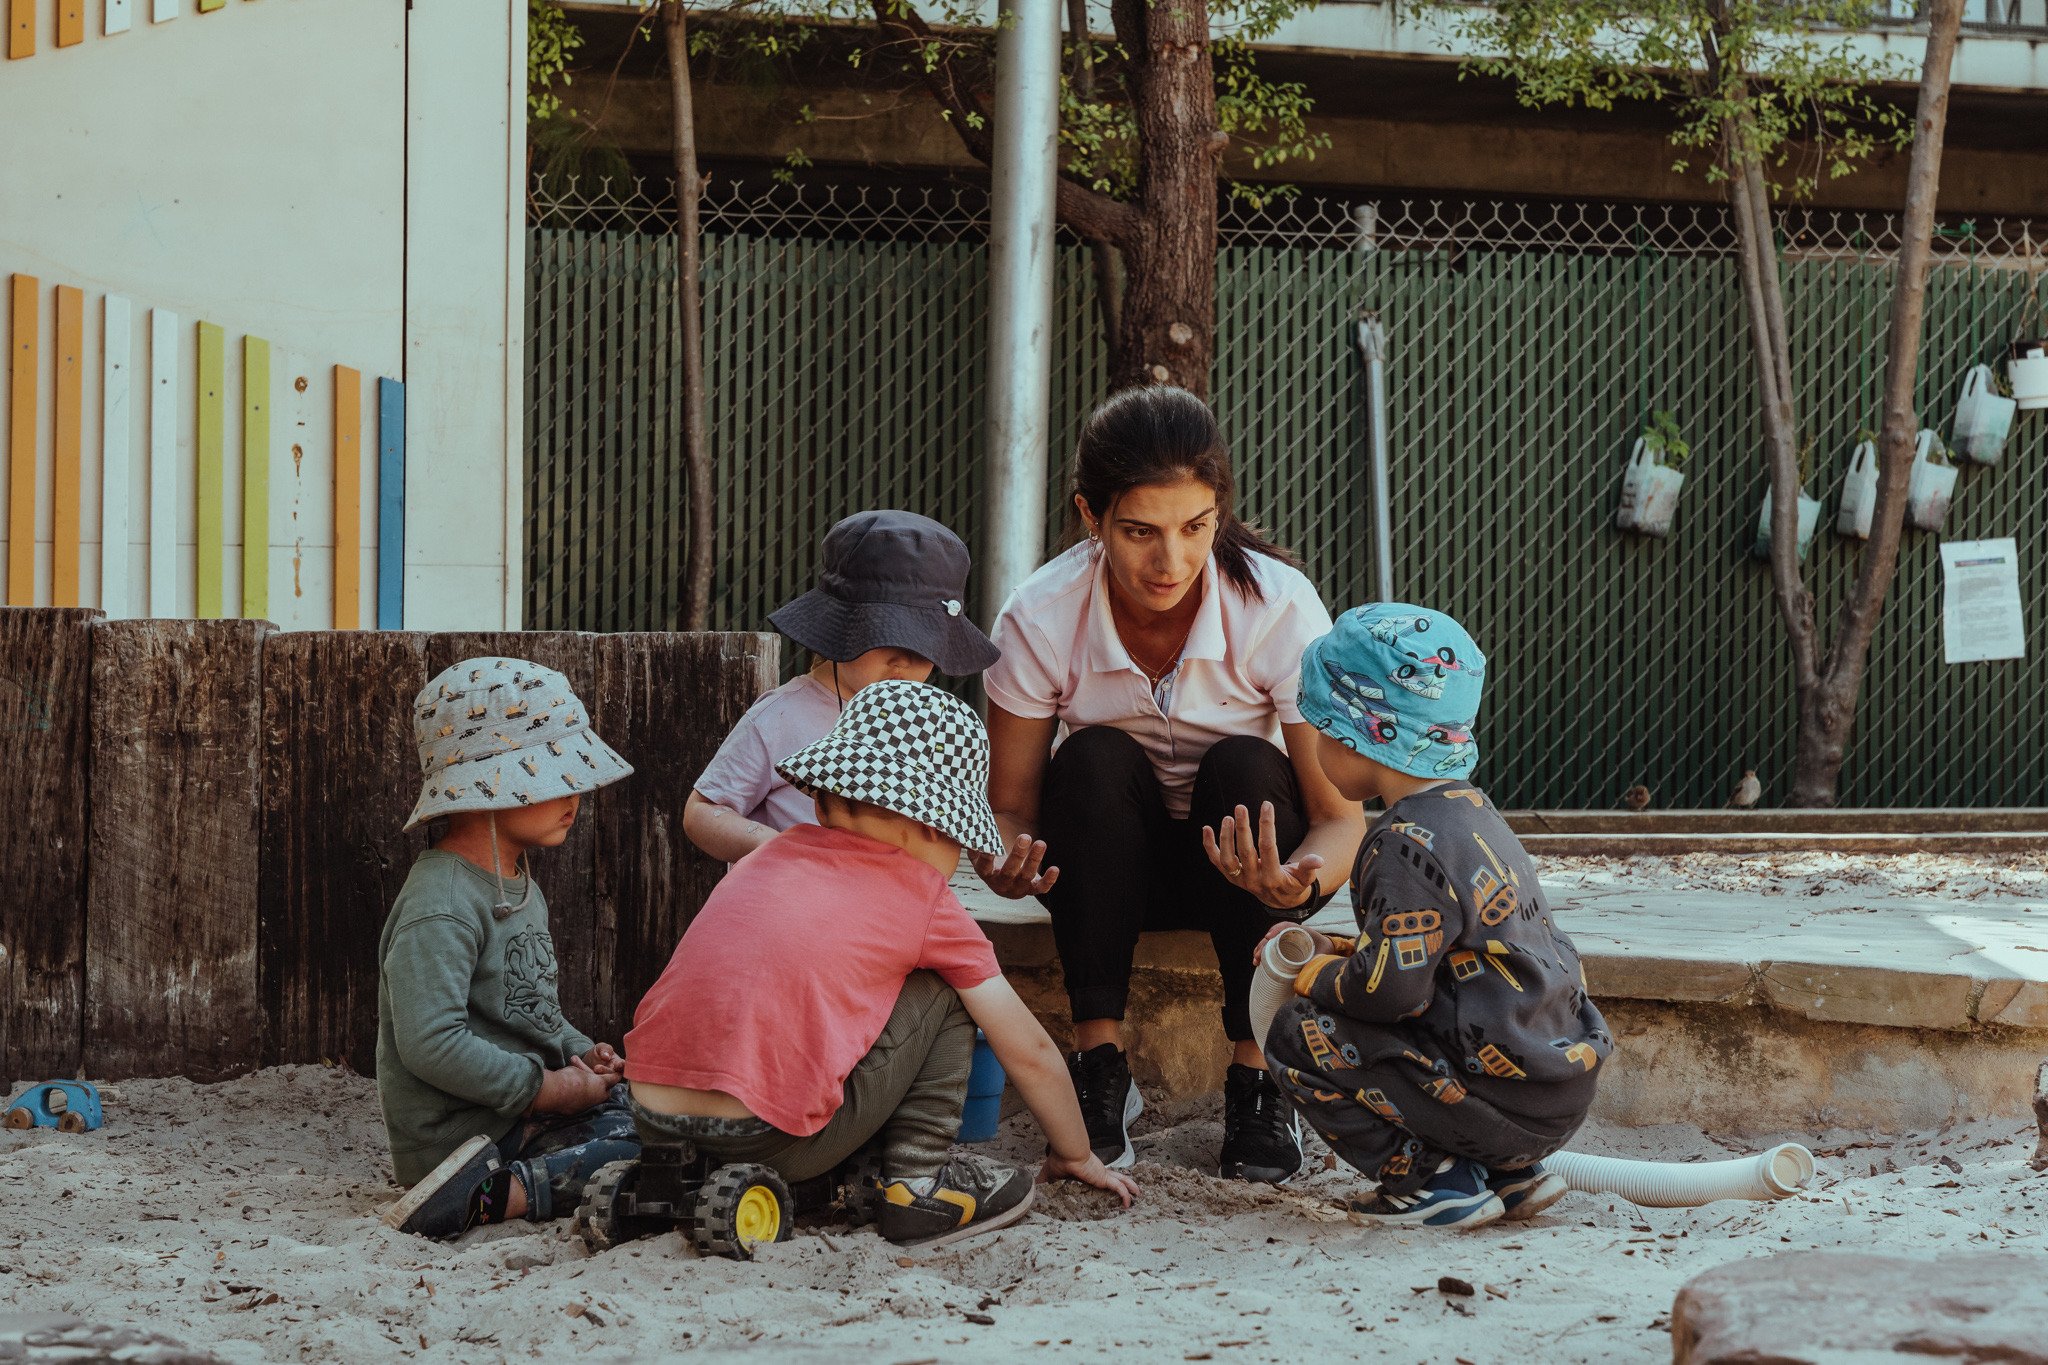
1393, 1109
1126, 866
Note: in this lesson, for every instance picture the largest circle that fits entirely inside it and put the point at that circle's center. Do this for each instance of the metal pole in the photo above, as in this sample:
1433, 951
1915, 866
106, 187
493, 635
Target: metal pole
1020, 271
1372, 345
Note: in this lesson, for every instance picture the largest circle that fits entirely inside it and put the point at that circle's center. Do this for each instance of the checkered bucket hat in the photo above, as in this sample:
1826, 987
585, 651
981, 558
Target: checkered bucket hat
909, 748
495, 734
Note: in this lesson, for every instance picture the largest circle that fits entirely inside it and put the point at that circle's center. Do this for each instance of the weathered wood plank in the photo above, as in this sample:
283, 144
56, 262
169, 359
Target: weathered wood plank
339, 778
45, 671
565, 873
171, 980
665, 702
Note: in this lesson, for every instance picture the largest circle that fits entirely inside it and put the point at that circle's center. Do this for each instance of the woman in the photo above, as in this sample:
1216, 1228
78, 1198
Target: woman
1167, 648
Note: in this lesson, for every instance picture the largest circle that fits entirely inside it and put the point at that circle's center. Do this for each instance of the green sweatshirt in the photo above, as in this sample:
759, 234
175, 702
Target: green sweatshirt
467, 1014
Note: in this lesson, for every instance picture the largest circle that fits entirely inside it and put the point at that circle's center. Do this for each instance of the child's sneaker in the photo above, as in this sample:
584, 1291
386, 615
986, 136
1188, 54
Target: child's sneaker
1526, 1192
1109, 1101
443, 1205
1455, 1197
972, 1195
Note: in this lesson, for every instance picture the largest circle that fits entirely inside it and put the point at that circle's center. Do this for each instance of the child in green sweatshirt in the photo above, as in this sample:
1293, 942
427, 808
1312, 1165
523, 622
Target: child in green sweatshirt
497, 1107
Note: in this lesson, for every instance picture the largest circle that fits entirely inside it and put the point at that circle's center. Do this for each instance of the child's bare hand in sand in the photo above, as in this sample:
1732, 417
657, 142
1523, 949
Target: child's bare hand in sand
1323, 941
606, 1062
571, 1090
1091, 1172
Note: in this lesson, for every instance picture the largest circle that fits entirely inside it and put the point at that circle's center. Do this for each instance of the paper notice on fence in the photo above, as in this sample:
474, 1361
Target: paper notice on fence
1980, 603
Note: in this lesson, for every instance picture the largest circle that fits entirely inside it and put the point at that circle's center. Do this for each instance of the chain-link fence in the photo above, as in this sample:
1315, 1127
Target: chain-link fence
845, 332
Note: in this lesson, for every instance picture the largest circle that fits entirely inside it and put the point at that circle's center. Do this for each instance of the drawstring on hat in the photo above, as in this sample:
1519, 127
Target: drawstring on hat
505, 909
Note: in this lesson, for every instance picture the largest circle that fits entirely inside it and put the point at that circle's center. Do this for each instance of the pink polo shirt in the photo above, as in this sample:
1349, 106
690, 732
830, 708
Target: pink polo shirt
1239, 673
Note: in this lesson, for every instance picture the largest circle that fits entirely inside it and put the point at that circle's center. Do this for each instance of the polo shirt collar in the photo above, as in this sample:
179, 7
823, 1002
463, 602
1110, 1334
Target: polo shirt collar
1105, 649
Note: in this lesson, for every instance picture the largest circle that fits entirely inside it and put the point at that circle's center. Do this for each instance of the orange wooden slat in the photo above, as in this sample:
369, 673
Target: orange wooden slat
21, 28
22, 340
66, 478
70, 22
348, 498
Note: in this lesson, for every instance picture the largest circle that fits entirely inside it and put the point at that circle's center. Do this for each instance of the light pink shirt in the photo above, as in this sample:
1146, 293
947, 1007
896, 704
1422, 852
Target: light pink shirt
1239, 673
742, 774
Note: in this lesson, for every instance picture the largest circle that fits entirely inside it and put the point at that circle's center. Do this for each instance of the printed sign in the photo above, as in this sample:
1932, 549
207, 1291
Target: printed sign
1980, 607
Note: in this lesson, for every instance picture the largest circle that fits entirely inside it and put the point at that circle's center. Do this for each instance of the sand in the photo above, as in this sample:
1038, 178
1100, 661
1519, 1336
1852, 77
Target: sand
2018, 877
240, 1218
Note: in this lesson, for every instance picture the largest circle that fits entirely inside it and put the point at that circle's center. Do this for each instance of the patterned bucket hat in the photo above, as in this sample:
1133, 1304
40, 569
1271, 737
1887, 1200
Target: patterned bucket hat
495, 734
1399, 684
909, 748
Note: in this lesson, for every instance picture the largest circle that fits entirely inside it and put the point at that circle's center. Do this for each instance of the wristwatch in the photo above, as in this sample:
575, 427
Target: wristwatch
1310, 908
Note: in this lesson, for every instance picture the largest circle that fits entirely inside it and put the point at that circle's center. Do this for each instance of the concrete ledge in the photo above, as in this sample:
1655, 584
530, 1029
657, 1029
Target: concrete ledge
1739, 1013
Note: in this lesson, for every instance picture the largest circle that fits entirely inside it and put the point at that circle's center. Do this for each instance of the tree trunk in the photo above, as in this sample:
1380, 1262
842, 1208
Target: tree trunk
1103, 256
696, 606
1821, 753
1168, 328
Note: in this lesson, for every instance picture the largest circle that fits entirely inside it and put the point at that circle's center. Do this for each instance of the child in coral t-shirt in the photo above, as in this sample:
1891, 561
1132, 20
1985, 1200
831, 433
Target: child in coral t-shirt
829, 991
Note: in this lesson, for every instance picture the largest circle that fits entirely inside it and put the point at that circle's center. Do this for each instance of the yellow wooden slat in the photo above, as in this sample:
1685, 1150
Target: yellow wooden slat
255, 478
348, 498
211, 532
66, 478
22, 341
70, 22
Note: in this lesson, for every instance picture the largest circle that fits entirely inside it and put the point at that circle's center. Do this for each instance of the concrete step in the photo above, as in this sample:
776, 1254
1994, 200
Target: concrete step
1742, 1013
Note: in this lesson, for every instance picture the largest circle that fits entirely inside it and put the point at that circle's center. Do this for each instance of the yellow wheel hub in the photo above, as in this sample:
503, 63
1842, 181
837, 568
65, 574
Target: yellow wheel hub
758, 1219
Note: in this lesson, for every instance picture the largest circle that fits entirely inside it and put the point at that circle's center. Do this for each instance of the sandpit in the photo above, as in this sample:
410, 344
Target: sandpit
240, 1218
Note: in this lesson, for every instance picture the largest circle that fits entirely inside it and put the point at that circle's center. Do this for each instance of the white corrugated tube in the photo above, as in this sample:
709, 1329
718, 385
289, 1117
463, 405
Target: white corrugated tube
1782, 1171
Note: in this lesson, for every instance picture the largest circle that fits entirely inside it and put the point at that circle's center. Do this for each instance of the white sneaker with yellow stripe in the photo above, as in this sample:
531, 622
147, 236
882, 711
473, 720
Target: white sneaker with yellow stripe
969, 1195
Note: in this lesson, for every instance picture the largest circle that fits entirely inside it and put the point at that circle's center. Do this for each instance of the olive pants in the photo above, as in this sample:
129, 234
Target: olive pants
908, 1091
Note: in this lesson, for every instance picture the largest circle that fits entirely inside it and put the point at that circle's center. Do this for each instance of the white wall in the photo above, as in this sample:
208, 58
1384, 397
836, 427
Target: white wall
274, 168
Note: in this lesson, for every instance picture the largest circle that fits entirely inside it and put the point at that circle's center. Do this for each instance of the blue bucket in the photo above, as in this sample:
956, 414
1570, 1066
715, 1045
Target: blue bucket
984, 1108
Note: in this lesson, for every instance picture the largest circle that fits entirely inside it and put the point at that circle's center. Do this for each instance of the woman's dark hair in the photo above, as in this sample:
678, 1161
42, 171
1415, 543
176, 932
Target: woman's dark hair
1163, 435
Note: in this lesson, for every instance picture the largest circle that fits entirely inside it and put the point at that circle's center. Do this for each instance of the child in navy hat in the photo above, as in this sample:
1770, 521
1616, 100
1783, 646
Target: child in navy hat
1451, 1046
890, 605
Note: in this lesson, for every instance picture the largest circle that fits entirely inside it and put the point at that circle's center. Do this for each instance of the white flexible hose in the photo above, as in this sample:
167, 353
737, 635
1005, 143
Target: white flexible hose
1782, 1171
1285, 954
1777, 1174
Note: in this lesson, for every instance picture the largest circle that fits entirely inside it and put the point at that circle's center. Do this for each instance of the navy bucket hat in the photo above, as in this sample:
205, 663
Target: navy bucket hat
892, 580
1399, 684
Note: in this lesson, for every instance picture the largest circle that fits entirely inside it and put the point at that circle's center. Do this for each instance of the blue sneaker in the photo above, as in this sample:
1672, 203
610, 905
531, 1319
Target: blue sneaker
1457, 1196
1527, 1192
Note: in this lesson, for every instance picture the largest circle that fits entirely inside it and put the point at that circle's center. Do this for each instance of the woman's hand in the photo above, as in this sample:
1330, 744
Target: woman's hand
1323, 943
1017, 875
1249, 859
1091, 1172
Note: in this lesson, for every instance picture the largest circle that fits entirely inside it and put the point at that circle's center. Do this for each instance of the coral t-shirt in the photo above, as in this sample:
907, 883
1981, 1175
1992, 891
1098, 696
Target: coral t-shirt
787, 976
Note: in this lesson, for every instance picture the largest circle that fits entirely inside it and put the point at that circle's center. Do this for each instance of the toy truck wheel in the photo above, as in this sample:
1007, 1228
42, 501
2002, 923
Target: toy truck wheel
741, 1207
71, 1123
598, 1218
20, 1118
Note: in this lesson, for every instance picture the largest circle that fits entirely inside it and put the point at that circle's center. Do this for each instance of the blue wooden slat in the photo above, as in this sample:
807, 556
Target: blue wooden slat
390, 505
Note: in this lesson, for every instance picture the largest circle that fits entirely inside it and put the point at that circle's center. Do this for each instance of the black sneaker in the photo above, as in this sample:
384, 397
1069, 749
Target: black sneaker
444, 1205
974, 1195
1261, 1131
1109, 1101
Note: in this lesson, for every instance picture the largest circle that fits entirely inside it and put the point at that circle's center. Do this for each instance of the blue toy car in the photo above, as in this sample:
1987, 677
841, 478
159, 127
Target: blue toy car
70, 1106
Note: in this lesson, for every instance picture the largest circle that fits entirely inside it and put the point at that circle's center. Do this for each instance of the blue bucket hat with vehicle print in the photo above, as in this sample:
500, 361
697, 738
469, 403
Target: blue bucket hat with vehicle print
1399, 684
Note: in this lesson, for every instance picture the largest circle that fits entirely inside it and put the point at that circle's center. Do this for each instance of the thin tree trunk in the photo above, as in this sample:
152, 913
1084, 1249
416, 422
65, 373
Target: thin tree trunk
696, 608
1825, 729
1103, 256
1168, 330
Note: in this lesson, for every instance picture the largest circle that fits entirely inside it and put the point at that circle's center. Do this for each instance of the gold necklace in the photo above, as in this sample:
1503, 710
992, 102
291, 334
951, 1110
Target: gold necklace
1153, 676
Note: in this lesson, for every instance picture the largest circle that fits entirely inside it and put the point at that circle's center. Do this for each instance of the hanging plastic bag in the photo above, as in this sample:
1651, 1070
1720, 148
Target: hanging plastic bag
1859, 492
1933, 484
1983, 418
1649, 493
1809, 521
